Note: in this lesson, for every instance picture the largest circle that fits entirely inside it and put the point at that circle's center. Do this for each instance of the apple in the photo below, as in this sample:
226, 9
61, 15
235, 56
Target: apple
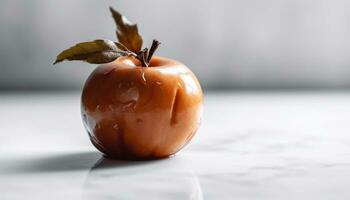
135, 112
136, 105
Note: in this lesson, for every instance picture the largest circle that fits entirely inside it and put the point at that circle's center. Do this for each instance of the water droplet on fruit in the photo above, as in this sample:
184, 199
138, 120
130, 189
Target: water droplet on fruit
106, 72
111, 107
179, 85
144, 77
98, 126
126, 106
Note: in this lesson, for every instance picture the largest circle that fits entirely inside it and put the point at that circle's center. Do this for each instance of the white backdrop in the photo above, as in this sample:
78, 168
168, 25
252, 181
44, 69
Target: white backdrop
228, 43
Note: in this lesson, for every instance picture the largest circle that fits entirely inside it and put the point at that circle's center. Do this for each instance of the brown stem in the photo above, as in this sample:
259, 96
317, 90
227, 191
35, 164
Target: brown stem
154, 47
142, 57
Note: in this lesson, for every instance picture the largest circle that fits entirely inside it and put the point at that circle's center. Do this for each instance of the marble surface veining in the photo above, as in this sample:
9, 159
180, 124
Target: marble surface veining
250, 146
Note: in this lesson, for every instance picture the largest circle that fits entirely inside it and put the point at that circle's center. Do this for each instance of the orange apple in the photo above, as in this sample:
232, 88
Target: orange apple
139, 113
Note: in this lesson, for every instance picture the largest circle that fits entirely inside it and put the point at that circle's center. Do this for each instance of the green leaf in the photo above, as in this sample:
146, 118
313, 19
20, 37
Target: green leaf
95, 52
127, 32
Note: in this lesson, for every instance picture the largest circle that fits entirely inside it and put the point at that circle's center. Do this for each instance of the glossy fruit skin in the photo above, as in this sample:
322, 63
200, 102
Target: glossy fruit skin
141, 113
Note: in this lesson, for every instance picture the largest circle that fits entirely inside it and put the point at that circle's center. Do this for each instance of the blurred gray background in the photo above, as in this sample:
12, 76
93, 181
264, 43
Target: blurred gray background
229, 44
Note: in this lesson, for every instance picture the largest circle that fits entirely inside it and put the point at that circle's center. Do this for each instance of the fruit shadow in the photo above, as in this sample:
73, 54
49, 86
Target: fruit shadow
106, 163
68, 162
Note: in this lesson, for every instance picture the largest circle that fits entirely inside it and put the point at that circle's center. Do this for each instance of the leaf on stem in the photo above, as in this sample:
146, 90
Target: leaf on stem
127, 32
94, 52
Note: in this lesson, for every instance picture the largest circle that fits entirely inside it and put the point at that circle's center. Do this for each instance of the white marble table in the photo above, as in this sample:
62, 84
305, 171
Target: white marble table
250, 146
